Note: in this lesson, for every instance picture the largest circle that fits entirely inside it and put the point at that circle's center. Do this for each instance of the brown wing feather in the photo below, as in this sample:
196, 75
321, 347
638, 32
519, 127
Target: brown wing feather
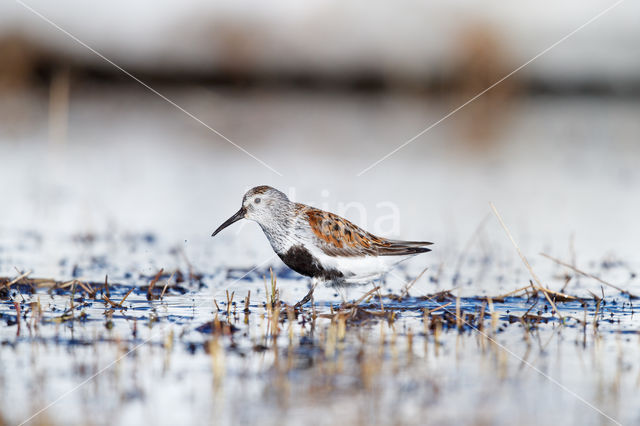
336, 236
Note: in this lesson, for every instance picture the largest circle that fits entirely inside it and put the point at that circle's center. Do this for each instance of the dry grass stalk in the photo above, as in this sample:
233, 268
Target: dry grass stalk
118, 305
357, 302
494, 316
166, 284
41, 282
16, 306
112, 303
125, 296
441, 296
566, 283
229, 301
561, 296
525, 261
91, 292
429, 312
405, 290
595, 316
273, 295
106, 286
380, 298
275, 327
511, 293
247, 302
153, 283
66, 284
458, 316
17, 279
586, 274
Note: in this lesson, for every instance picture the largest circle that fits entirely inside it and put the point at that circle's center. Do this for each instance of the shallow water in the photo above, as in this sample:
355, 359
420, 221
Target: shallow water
136, 188
165, 361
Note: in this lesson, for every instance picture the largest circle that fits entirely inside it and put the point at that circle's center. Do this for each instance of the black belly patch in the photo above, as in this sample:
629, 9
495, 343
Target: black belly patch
300, 260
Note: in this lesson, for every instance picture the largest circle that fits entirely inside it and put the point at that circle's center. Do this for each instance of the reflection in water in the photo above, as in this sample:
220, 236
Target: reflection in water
229, 345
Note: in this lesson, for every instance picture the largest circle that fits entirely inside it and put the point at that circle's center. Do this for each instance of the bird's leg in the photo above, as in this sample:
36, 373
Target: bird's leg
309, 295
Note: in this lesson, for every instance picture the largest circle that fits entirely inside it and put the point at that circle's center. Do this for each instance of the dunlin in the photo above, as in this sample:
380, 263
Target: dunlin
320, 244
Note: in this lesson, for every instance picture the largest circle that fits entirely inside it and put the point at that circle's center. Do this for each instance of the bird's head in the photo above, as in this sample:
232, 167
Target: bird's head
259, 204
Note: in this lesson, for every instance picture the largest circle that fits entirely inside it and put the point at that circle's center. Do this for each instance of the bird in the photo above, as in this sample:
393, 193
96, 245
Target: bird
320, 244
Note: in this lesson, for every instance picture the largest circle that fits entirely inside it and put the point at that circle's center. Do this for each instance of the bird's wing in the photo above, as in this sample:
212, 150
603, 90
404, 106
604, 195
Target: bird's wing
336, 236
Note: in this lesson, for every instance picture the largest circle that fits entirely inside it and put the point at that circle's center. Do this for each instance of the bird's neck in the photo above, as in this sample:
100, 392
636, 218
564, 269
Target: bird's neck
278, 237
278, 227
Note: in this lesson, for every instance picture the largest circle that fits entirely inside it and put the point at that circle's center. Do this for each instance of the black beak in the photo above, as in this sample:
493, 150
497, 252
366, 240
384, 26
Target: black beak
233, 219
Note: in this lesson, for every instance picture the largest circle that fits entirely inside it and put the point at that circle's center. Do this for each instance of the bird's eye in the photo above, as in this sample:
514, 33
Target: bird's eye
257, 201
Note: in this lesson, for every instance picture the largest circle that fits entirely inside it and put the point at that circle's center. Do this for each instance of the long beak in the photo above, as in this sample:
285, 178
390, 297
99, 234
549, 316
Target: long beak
233, 219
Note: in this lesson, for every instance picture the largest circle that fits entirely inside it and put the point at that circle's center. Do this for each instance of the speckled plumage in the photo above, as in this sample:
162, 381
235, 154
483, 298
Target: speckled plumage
321, 244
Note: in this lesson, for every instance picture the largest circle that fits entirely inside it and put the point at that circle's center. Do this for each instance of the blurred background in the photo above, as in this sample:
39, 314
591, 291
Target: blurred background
308, 96
129, 131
